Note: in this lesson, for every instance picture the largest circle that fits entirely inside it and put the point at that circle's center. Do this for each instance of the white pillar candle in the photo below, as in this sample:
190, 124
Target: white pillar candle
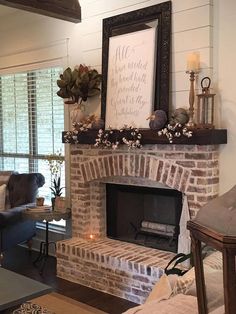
193, 62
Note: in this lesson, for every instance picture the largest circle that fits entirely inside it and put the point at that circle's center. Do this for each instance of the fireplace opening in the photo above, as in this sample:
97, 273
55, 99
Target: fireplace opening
144, 215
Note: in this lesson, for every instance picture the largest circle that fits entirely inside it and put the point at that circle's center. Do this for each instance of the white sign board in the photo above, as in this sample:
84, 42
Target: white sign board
130, 80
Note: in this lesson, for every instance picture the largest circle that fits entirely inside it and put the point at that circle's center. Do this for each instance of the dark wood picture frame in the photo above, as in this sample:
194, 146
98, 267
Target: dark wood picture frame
160, 12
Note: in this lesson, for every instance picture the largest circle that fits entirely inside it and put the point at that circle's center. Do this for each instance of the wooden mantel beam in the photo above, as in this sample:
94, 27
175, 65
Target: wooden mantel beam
68, 10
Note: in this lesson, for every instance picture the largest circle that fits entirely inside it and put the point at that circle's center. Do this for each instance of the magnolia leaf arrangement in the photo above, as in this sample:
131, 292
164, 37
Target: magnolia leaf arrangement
79, 84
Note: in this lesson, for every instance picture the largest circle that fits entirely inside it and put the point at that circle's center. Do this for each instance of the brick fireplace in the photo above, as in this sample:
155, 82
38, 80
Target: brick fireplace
119, 268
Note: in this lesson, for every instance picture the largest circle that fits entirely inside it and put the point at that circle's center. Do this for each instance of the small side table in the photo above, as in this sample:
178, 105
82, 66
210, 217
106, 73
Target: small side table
39, 214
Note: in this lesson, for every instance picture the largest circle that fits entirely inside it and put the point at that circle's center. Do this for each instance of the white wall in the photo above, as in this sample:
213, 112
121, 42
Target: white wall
192, 30
224, 73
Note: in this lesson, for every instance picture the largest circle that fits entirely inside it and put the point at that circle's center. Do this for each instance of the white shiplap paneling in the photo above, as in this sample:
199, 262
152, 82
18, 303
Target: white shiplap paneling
192, 39
191, 31
179, 59
99, 7
183, 5
189, 19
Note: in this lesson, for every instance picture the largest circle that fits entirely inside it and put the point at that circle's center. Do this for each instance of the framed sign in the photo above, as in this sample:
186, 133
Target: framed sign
135, 66
130, 79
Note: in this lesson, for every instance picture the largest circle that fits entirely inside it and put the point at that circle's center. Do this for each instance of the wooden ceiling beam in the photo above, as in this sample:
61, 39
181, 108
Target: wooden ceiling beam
68, 10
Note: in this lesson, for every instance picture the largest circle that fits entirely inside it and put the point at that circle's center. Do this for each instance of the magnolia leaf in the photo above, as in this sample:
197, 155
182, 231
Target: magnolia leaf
75, 75
79, 84
63, 93
67, 75
61, 83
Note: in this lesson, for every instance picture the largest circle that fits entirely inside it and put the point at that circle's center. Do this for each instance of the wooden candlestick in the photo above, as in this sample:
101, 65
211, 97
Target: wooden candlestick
191, 123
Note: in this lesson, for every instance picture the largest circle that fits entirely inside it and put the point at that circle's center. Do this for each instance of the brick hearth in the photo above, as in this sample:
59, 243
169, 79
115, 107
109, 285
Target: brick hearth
105, 264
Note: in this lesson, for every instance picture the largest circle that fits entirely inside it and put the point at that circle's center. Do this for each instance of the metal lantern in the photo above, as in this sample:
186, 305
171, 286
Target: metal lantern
205, 106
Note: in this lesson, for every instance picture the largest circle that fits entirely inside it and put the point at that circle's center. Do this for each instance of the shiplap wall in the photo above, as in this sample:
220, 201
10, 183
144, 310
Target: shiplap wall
191, 31
192, 28
41, 36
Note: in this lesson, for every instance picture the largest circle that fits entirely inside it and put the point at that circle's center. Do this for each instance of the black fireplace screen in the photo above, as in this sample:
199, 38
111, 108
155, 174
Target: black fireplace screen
143, 215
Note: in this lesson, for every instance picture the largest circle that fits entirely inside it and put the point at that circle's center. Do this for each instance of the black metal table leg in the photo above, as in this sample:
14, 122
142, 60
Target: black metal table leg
43, 252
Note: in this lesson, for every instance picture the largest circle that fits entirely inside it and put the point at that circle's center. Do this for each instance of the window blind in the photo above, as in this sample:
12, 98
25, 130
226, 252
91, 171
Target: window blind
31, 122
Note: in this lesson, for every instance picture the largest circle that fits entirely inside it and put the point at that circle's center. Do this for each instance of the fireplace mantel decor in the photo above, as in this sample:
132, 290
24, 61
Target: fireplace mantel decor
200, 137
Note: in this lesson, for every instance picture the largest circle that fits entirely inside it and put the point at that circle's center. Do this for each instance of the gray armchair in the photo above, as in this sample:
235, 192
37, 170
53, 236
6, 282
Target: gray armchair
22, 190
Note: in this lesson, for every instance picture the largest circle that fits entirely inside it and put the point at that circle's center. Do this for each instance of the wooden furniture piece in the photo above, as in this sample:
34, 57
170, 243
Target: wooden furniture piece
227, 245
200, 137
40, 214
68, 10
16, 289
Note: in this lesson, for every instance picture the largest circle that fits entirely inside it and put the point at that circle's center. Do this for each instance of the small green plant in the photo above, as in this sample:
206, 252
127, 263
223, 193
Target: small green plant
56, 187
55, 162
79, 84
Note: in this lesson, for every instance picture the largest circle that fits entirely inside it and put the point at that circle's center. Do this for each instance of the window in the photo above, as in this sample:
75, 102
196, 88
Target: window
31, 122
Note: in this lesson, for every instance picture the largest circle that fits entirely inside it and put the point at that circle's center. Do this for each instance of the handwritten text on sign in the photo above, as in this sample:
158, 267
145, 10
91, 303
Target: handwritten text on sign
130, 79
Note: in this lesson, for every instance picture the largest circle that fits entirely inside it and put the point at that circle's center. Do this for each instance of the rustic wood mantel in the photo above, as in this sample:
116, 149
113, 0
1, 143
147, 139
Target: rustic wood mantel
68, 10
200, 137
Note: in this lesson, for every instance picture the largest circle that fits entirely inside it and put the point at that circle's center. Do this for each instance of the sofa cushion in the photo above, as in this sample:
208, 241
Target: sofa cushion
214, 260
23, 188
11, 216
2, 196
162, 289
214, 288
4, 178
179, 304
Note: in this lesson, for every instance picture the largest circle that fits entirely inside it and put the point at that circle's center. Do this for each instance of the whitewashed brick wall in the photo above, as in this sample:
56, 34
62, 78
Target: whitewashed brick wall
102, 263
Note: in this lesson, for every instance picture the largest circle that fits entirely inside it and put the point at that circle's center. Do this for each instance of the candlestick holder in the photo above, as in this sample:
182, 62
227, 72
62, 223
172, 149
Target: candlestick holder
192, 75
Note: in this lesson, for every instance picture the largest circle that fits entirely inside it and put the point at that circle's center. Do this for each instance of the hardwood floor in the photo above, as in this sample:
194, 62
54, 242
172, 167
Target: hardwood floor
20, 261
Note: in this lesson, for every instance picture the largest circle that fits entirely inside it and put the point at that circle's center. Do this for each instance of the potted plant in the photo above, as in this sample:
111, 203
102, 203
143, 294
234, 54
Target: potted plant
76, 86
55, 162
56, 187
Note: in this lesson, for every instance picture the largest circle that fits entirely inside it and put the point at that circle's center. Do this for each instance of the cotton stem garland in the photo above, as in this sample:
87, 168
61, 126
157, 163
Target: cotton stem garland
129, 136
176, 130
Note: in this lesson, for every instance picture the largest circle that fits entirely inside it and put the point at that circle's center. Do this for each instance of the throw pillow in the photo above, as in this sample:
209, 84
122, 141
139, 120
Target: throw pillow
219, 310
162, 289
179, 304
183, 283
23, 188
214, 288
2, 196
214, 260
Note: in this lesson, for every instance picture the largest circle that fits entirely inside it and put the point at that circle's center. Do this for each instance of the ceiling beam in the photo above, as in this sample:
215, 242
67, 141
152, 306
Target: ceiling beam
68, 10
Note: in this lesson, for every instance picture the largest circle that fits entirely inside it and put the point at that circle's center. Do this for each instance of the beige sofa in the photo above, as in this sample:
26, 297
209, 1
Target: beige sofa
177, 294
